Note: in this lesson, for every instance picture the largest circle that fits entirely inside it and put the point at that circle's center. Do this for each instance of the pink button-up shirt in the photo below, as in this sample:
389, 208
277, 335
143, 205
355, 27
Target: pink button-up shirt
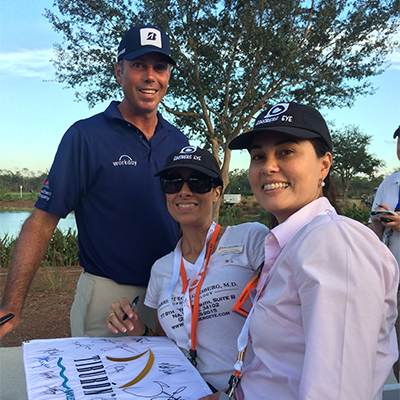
323, 326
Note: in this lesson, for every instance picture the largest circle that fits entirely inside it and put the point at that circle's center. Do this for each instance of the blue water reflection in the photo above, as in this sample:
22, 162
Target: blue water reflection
11, 222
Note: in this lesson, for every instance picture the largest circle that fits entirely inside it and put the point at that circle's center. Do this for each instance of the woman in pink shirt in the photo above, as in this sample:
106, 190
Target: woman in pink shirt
321, 325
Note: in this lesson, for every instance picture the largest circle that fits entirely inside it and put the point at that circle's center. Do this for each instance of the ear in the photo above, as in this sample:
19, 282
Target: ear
118, 73
217, 192
326, 162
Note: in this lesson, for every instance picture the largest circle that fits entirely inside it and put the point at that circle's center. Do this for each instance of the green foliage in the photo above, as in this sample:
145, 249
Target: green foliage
231, 216
11, 181
359, 186
360, 214
233, 57
351, 157
62, 250
239, 182
7, 244
4, 195
248, 211
54, 280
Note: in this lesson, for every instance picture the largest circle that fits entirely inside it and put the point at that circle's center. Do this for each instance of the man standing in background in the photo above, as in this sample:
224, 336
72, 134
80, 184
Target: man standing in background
387, 226
104, 171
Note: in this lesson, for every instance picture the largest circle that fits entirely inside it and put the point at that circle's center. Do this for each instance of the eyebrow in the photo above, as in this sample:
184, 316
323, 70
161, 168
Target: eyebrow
278, 143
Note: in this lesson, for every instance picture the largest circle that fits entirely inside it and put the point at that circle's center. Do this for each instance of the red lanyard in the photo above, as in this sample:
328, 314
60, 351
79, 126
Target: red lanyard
196, 284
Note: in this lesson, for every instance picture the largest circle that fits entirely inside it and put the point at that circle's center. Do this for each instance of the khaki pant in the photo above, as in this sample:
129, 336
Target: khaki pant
93, 297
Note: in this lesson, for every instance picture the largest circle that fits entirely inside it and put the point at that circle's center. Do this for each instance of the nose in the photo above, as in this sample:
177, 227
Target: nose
270, 165
149, 74
185, 190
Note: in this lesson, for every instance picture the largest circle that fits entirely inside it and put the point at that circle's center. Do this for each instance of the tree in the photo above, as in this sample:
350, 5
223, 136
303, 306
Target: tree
234, 57
239, 182
12, 181
350, 156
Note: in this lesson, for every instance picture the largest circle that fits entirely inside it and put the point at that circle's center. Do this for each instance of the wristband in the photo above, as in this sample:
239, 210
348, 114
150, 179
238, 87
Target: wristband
147, 331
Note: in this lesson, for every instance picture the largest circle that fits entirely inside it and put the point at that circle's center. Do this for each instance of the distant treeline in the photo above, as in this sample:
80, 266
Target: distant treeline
360, 186
11, 181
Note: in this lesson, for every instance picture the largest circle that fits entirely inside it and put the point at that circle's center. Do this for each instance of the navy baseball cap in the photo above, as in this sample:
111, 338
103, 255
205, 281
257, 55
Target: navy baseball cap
141, 40
292, 118
193, 157
396, 133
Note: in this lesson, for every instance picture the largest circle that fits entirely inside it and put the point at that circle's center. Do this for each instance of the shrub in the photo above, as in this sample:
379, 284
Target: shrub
360, 214
62, 250
7, 244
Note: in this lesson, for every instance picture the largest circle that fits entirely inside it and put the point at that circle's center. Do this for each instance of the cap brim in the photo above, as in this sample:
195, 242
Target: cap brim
199, 168
136, 54
245, 140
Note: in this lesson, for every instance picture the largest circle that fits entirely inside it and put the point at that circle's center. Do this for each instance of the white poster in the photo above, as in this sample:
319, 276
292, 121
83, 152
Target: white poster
110, 369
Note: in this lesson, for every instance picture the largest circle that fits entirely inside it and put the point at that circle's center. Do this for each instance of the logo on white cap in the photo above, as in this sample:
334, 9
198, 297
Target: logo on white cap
150, 37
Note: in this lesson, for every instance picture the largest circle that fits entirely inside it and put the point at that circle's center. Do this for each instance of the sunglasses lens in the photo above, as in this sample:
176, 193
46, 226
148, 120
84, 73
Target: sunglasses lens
171, 185
197, 184
200, 184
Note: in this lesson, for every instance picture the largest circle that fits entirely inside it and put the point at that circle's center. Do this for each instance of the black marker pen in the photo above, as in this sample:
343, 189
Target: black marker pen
6, 318
133, 305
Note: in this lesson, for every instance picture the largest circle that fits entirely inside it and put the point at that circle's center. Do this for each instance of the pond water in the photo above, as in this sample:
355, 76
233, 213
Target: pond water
11, 222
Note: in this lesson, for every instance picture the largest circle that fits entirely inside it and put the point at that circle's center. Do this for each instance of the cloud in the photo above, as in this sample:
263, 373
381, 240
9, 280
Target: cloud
28, 63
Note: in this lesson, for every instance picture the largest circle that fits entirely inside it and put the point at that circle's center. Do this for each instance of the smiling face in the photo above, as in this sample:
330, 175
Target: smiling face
189, 208
144, 82
285, 173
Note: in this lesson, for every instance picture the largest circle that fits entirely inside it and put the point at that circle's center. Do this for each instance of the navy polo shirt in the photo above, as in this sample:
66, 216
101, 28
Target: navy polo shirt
103, 170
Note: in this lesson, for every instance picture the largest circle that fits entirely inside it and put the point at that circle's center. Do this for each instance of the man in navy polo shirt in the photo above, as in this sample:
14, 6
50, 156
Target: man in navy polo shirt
104, 170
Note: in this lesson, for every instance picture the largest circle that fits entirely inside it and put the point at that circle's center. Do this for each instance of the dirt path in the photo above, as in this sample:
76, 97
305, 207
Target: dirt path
46, 311
17, 204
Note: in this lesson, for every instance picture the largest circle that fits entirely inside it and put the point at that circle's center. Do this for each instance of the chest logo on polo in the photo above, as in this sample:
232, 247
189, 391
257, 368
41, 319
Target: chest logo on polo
124, 160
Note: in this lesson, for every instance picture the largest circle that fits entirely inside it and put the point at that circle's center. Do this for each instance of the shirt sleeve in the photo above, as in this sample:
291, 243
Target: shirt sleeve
69, 177
153, 288
378, 199
347, 297
256, 239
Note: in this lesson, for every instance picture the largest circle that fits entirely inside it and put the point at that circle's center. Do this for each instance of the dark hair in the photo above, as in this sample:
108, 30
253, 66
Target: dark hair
329, 190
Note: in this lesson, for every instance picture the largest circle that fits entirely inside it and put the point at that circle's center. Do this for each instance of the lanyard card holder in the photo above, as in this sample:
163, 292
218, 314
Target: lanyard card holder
238, 308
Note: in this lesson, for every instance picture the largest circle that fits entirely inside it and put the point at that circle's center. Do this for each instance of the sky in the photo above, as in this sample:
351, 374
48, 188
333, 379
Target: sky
35, 111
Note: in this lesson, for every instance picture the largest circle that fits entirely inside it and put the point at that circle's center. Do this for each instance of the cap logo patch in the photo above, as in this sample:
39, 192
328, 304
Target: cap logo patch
186, 154
150, 37
273, 113
188, 150
277, 110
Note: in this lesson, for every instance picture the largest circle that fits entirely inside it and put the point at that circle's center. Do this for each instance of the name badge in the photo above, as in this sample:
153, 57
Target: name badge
232, 249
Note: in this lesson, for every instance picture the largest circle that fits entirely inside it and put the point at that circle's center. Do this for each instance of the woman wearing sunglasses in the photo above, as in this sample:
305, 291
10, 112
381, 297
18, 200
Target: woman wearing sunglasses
194, 288
321, 325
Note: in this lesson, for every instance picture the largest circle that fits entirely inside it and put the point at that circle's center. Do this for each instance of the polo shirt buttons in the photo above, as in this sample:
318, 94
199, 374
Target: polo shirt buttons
271, 261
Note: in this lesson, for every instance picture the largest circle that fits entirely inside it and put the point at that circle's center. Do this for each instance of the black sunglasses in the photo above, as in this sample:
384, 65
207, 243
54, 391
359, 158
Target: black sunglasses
197, 184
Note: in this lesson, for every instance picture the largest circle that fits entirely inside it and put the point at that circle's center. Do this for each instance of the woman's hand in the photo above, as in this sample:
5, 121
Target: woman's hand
132, 325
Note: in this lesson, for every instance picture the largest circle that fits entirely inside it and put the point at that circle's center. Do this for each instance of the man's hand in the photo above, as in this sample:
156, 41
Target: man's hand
9, 325
393, 220
29, 250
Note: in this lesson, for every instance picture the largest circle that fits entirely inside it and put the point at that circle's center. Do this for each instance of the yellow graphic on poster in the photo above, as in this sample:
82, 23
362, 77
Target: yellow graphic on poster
145, 370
